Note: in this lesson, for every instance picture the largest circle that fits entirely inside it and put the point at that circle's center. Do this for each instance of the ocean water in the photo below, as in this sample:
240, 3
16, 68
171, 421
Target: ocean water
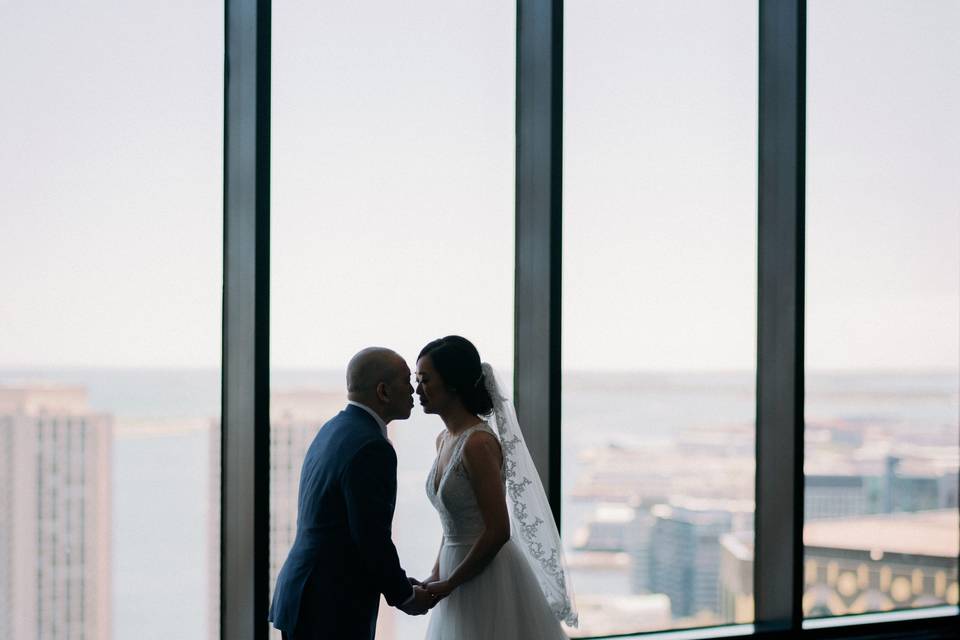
161, 500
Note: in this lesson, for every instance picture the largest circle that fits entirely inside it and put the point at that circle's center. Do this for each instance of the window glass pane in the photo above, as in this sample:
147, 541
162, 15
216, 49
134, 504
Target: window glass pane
883, 306
110, 267
393, 172
659, 311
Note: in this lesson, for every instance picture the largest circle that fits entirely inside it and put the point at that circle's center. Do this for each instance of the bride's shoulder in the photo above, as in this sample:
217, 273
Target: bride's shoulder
481, 442
487, 432
440, 437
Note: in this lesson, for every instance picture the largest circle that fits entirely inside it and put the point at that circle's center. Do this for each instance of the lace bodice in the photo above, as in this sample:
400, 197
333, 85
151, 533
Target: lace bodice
454, 499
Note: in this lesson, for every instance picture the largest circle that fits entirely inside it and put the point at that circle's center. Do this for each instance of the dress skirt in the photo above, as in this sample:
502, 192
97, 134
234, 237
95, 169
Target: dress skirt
503, 602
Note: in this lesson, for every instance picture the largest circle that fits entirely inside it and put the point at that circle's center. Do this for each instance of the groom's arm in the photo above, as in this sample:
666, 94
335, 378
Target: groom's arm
370, 492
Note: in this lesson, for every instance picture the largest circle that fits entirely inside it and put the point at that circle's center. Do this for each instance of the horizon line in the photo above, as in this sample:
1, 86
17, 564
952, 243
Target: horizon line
572, 370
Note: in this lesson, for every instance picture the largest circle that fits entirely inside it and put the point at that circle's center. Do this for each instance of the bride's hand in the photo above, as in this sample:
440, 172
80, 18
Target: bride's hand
440, 588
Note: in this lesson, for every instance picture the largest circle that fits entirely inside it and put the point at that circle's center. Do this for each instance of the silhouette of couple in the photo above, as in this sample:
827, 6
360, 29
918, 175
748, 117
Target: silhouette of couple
485, 583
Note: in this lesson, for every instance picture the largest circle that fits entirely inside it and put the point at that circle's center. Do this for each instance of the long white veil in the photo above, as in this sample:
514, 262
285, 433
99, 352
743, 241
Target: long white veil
531, 520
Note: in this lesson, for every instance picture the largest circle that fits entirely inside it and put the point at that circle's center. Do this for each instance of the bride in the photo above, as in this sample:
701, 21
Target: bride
499, 572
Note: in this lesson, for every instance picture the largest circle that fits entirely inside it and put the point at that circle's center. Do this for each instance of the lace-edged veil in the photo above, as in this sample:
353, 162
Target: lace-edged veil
531, 520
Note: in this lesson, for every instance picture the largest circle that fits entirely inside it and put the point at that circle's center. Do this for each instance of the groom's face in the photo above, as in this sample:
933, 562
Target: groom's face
400, 394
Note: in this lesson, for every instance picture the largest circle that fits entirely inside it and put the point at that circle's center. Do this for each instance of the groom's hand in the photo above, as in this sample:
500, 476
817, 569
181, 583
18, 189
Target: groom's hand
422, 602
414, 582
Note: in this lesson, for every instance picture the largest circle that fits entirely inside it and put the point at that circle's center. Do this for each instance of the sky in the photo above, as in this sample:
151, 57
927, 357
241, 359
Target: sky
393, 182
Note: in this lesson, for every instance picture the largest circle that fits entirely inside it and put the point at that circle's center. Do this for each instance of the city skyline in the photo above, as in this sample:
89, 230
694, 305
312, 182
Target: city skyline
628, 481
392, 223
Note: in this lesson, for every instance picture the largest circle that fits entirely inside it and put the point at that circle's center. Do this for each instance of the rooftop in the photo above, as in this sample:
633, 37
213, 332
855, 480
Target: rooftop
43, 398
924, 533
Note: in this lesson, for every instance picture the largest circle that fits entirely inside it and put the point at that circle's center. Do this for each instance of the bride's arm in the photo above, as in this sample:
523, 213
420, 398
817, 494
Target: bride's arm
435, 573
483, 460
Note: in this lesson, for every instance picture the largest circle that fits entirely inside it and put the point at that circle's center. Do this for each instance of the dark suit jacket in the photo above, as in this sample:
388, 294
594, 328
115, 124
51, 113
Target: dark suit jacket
343, 556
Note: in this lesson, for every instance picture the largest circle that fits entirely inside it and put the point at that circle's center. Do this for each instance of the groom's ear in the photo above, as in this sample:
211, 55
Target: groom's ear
382, 394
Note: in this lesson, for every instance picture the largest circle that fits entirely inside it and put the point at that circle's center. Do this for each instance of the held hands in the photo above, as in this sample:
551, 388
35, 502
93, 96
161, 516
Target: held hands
422, 601
440, 589
426, 595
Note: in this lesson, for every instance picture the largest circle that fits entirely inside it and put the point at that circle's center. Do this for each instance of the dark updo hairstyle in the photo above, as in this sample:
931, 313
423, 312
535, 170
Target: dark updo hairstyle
458, 364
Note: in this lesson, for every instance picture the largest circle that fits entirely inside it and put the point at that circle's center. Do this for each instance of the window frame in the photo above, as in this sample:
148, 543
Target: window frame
245, 370
778, 561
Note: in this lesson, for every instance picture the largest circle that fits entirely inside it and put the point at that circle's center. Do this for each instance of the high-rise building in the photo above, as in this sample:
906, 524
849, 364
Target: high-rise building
920, 483
684, 561
736, 577
638, 547
890, 485
836, 496
607, 530
55, 515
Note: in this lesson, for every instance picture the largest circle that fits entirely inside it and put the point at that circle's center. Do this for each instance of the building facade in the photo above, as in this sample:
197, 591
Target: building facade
860, 564
684, 560
55, 515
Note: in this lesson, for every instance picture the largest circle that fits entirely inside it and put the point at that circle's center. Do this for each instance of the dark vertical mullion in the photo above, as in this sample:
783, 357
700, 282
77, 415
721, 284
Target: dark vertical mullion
245, 435
778, 568
539, 234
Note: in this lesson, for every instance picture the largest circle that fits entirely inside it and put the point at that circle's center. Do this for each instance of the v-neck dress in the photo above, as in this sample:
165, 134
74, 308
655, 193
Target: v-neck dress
504, 601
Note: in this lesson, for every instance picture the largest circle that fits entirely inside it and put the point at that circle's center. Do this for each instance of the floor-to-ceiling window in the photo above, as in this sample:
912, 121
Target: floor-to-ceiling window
392, 224
393, 220
883, 306
659, 311
110, 253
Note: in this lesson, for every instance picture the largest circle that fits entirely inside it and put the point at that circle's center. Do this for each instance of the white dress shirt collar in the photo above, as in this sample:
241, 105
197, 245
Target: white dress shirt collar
380, 422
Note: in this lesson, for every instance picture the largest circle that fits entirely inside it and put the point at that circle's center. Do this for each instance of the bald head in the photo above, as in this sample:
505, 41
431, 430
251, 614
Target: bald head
370, 367
379, 379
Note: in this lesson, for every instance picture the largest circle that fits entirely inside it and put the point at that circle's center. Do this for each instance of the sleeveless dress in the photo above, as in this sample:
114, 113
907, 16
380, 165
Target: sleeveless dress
504, 601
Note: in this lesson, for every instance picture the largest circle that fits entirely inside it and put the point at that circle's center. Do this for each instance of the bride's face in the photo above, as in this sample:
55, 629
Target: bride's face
432, 391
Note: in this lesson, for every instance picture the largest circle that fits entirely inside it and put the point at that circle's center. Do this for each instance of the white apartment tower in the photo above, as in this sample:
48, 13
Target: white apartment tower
55, 521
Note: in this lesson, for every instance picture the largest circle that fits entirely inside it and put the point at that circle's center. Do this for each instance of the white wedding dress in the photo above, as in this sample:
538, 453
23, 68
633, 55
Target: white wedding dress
505, 601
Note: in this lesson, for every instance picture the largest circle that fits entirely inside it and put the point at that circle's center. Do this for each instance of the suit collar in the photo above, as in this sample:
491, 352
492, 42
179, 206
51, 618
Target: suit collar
358, 409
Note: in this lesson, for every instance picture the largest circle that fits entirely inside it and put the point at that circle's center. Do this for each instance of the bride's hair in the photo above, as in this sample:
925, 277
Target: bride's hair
457, 362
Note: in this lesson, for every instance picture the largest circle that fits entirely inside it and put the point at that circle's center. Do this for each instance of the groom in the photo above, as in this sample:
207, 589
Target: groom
343, 557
